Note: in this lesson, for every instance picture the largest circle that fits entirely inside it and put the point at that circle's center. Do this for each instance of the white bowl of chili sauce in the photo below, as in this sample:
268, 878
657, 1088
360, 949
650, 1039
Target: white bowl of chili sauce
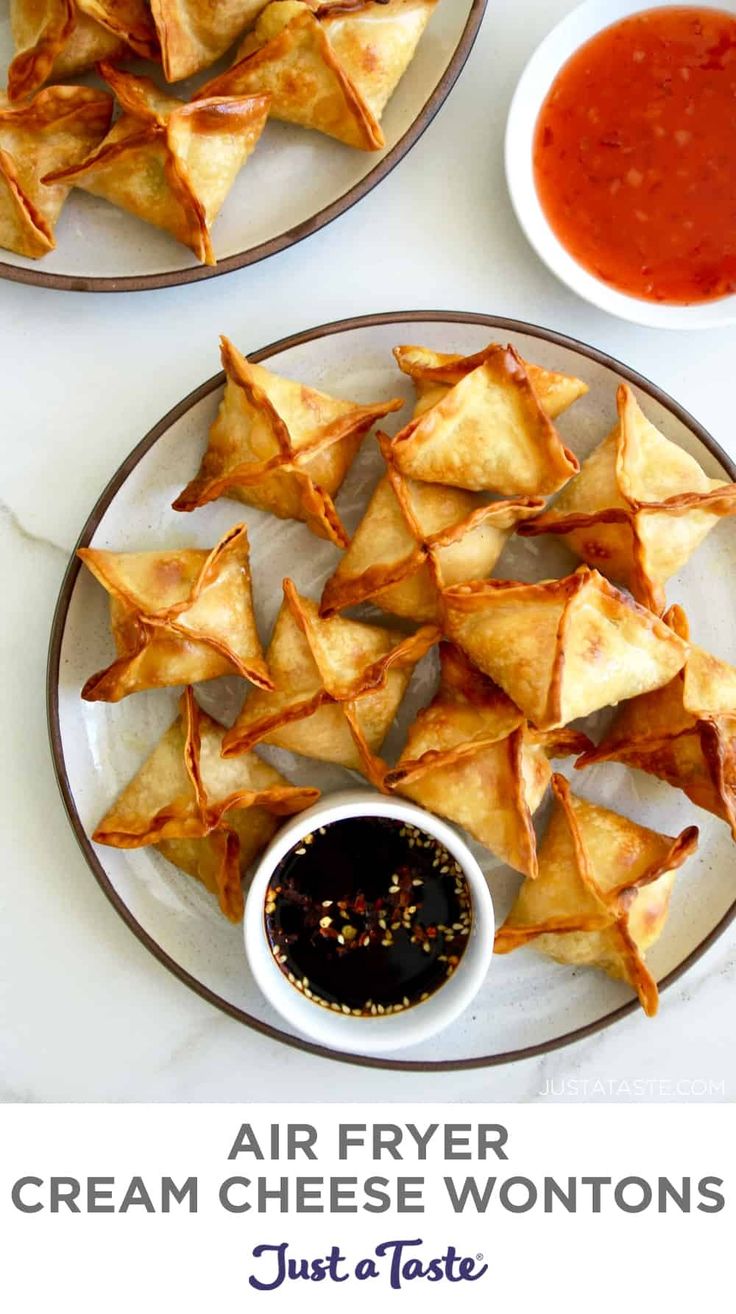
621, 158
368, 924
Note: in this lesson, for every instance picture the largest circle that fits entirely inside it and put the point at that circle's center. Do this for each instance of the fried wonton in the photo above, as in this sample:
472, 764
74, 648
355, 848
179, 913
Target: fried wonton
332, 67
170, 163
565, 647
488, 433
602, 895
177, 617
640, 506
473, 758
208, 816
58, 38
684, 733
281, 446
338, 686
416, 539
59, 127
194, 33
434, 373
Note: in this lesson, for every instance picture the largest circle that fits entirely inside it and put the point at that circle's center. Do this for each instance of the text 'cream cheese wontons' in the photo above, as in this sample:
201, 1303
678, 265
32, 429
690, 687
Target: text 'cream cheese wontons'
332, 67
640, 506
281, 446
178, 616
602, 895
563, 648
209, 816
472, 757
338, 686
168, 162
685, 732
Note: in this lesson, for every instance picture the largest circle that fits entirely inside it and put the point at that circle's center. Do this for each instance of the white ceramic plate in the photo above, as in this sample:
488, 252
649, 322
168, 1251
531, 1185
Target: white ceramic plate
536, 80
294, 184
528, 1004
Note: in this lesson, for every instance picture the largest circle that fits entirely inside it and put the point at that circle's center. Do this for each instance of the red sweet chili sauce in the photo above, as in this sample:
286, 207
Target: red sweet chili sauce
635, 155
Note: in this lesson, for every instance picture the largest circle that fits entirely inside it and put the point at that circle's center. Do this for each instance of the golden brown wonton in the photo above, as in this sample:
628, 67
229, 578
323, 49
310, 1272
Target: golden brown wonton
338, 686
684, 733
170, 163
332, 67
59, 127
640, 506
416, 539
177, 617
194, 33
565, 647
472, 757
602, 895
434, 373
209, 816
489, 433
280, 446
58, 38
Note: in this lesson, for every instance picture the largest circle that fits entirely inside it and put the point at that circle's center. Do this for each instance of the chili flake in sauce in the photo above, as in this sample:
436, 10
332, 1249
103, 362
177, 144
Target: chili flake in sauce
635, 155
368, 916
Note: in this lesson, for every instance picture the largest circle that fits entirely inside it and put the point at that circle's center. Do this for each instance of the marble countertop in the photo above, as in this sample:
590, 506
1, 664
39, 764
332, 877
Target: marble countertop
89, 1015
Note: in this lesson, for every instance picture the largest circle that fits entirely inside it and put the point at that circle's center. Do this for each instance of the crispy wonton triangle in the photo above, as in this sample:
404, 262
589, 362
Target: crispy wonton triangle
338, 686
416, 539
58, 38
177, 617
602, 895
640, 506
280, 446
331, 67
194, 33
565, 647
684, 733
489, 432
207, 815
434, 373
59, 127
473, 758
170, 163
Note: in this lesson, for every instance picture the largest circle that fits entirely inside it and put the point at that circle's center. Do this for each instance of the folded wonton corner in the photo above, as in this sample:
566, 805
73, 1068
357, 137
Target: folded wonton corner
194, 33
208, 816
433, 373
684, 733
333, 66
602, 895
57, 39
416, 539
473, 758
167, 162
338, 686
177, 617
58, 128
281, 446
640, 506
489, 431
565, 647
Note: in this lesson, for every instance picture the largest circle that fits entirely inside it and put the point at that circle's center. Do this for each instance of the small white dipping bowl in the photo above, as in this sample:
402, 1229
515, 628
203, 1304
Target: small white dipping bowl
369, 1035
531, 92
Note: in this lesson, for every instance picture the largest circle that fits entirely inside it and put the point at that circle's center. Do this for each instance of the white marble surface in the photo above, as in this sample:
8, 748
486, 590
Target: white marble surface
87, 1013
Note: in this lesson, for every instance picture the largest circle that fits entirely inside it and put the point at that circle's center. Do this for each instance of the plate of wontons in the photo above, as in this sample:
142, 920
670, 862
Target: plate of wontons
145, 145
460, 558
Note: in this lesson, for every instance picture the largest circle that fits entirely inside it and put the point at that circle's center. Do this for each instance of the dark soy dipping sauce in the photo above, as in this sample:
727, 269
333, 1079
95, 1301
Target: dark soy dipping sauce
368, 916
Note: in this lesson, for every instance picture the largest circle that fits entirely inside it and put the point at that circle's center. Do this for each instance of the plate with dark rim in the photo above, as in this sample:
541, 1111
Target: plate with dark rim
295, 183
529, 1005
